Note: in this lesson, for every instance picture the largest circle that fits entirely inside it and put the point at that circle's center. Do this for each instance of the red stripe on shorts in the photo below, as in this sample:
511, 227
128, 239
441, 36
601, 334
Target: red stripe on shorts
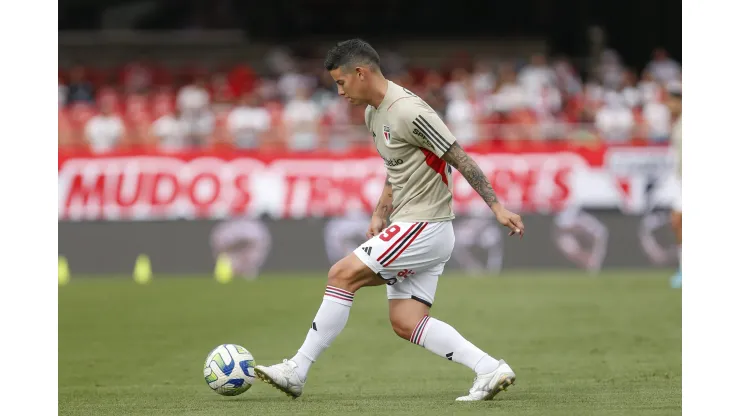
421, 230
398, 240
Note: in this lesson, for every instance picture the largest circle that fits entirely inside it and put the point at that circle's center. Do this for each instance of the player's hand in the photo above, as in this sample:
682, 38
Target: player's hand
508, 219
377, 224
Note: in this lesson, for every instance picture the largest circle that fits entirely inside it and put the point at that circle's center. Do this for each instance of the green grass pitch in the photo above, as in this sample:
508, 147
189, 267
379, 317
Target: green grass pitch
580, 345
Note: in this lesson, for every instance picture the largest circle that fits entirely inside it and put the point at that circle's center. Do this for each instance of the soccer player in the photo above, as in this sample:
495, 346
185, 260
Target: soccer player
409, 255
674, 103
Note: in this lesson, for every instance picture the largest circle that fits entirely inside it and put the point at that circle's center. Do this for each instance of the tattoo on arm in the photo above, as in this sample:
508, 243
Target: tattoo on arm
470, 170
385, 204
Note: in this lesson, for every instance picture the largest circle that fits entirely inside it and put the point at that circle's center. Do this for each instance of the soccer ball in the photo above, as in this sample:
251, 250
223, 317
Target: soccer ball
229, 370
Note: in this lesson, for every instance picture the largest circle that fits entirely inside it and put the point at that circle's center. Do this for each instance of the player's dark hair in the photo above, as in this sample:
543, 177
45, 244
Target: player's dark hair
351, 52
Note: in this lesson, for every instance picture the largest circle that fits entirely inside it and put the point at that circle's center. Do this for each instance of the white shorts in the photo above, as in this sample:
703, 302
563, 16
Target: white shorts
410, 257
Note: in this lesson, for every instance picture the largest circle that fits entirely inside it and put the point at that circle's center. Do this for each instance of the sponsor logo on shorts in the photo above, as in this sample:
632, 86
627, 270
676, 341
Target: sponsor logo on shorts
405, 273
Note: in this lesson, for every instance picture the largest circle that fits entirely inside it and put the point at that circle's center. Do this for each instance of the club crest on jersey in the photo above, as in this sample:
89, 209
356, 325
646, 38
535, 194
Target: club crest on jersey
387, 134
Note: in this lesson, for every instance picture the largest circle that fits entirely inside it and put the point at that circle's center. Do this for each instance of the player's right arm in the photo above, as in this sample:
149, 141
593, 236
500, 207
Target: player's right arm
382, 211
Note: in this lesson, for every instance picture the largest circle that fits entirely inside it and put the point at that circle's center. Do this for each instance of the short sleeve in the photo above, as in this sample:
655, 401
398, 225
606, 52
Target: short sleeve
368, 117
424, 128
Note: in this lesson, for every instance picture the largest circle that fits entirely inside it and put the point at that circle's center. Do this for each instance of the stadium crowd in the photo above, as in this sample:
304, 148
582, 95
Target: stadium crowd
294, 105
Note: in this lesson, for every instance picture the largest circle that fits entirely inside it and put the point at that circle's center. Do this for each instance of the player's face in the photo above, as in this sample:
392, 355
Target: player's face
350, 84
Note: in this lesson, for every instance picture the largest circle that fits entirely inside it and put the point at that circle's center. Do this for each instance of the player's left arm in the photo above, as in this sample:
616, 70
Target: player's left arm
460, 160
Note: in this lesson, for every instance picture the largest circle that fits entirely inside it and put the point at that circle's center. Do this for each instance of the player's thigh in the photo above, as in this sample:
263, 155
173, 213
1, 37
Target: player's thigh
404, 249
411, 299
351, 274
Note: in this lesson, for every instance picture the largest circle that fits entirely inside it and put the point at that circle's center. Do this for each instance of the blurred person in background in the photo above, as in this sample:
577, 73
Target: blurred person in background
79, 90
301, 118
610, 70
663, 68
462, 115
136, 76
648, 87
674, 103
193, 103
629, 90
249, 122
536, 76
222, 93
455, 87
656, 121
170, 131
566, 77
508, 94
483, 79
105, 130
614, 121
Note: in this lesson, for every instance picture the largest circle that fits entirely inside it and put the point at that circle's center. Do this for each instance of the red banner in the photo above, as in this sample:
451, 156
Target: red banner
145, 186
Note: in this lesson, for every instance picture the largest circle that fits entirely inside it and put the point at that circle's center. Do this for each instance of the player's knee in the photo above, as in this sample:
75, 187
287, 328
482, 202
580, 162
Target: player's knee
402, 326
344, 276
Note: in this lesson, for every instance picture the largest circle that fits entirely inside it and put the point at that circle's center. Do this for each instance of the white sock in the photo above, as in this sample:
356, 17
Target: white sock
328, 323
443, 340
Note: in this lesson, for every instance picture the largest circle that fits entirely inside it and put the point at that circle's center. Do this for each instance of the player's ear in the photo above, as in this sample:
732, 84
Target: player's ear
360, 72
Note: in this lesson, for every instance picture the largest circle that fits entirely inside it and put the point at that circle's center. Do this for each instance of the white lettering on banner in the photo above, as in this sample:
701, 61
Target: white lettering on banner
151, 187
162, 187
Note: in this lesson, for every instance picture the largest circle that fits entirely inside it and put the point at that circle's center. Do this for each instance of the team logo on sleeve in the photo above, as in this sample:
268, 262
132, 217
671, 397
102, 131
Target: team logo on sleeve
387, 134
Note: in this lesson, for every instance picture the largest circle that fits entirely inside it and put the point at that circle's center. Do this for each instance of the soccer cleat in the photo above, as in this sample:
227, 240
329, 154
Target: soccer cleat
283, 377
485, 386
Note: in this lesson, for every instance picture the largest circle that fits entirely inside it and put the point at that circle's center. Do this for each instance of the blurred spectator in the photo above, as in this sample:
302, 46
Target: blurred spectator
483, 79
566, 78
547, 103
610, 70
657, 121
80, 90
461, 116
301, 121
170, 132
105, 130
326, 92
455, 88
508, 95
193, 104
248, 122
222, 93
630, 93
290, 82
649, 88
614, 121
193, 99
536, 76
663, 68
136, 77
